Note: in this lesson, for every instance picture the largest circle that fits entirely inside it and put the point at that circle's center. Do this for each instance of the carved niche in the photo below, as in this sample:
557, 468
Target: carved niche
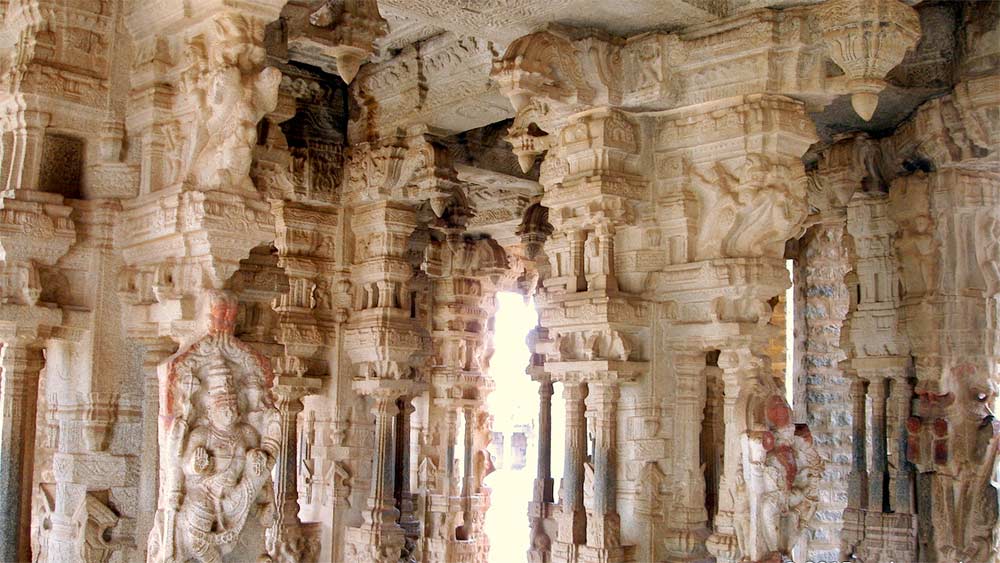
219, 437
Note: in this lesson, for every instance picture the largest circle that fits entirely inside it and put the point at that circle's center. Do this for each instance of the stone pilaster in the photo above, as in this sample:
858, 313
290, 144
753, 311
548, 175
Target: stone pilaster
155, 352
21, 362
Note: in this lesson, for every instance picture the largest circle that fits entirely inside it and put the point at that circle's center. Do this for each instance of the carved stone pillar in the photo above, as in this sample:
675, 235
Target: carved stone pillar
944, 218
878, 472
284, 537
381, 341
380, 538
900, 470
407, 518
572, 517
382, 513
873, 527
825, 261
604, 523
542, 490
738, 367
690, 515
21, 362
857, 486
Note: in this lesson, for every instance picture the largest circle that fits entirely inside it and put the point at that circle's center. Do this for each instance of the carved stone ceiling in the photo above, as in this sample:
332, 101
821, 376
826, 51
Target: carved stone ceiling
502, 21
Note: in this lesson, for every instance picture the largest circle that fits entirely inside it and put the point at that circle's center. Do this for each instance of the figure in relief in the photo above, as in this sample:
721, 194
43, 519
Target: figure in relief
219, 435
776, 484
230, 97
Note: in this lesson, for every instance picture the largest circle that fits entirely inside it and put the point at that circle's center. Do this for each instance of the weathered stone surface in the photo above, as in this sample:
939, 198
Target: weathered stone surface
351, 182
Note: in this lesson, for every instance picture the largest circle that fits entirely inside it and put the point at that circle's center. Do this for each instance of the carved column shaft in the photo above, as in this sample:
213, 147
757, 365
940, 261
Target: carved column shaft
543, 475
451, 439
603, 527
691, 399
18, 399
857, 487
572, 525
407, 520
381, 505
900, 493
289, 403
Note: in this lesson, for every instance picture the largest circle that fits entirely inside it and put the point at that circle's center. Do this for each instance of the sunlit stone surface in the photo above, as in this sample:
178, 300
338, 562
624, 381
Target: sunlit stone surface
250, 254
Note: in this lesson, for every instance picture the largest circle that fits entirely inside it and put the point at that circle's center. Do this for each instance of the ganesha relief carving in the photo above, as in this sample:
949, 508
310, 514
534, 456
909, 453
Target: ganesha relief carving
219, 439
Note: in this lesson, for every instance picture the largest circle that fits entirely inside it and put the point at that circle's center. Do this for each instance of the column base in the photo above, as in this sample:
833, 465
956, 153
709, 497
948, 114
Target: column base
686, 545
590, 554
565, 552
724, 547
571, 527
879, 536
604, 531
374, 544
293, 543
449, 550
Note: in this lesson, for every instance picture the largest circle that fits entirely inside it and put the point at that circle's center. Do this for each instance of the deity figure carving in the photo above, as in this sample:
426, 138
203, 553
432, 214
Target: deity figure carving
776, 484
219, 435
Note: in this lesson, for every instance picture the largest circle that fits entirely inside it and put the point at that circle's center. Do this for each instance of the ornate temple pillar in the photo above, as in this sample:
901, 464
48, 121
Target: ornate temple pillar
572, 517
407, 516
380, 536
825, 261
36, 230
604, 523
878, 472
857, 480
596, 321
284, 537
739, 372
381, 340
542, 490
687, 520
875, 528
717, 290
21, 360
462, 273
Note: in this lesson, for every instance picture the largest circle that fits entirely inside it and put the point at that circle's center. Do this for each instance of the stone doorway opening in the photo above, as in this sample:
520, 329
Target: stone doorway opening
514, 407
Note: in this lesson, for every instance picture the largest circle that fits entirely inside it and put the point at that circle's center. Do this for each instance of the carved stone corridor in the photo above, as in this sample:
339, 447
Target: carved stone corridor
250, 253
